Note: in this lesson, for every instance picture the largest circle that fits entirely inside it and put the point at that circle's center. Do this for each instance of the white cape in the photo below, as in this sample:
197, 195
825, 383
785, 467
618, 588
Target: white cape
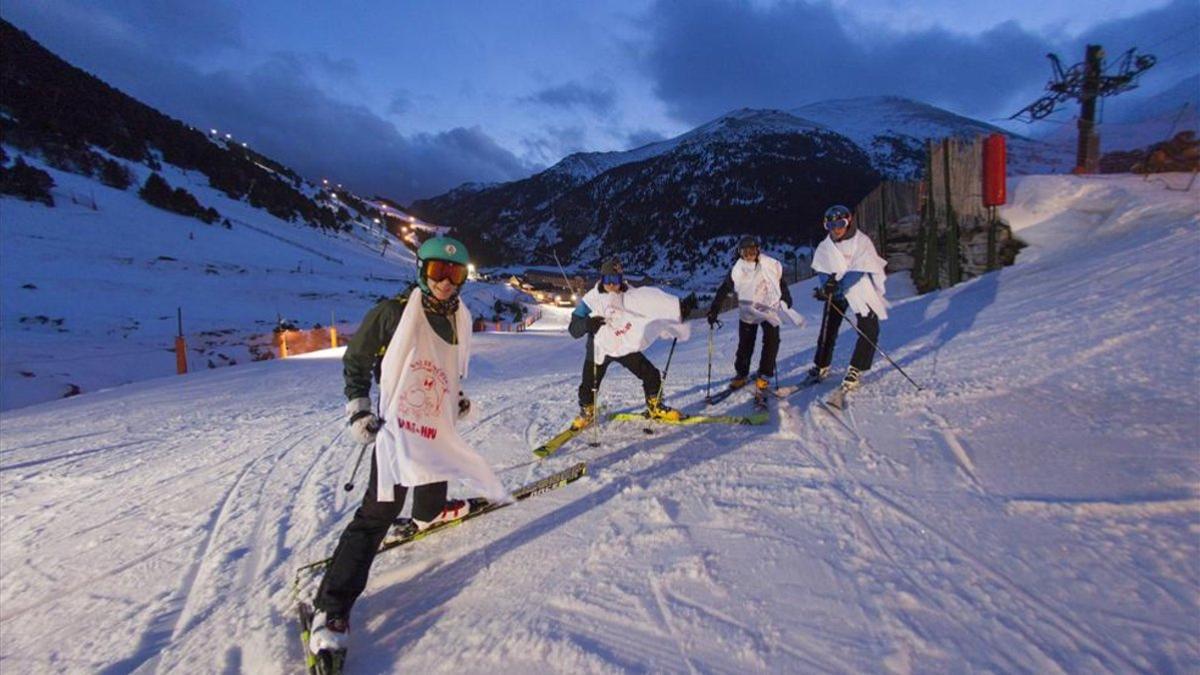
419, 384
856, 254
759, 297
633, 320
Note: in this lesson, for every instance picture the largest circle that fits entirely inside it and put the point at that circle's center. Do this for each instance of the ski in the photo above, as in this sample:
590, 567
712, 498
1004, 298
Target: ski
722, 395
760, 399
324, 662
784, 392
406, 532
756, 418
837, 400
551, 446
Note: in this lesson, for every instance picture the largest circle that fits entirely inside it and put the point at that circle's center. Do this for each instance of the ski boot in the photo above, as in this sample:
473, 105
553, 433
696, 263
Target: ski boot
587, 417
738, 382
815, 376
656, 410
852, 380
761, 384
454, 509
329, 632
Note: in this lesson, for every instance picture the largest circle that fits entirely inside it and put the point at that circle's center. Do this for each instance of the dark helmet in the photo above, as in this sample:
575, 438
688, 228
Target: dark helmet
748, 241
835, 213
444, 249
611, 266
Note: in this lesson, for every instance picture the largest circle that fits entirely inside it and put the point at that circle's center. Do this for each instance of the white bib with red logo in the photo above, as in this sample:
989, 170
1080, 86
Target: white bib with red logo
633, 320
419, 384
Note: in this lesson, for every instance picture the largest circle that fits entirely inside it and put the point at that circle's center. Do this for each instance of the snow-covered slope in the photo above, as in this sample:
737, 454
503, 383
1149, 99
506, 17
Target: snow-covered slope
89, 295
1034, 509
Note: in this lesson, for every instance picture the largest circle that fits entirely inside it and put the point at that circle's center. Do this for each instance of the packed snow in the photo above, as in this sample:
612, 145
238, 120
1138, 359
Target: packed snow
1033, 508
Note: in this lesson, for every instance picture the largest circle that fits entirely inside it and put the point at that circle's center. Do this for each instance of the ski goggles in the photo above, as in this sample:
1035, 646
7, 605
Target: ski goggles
614, 279
832, 224
439, 270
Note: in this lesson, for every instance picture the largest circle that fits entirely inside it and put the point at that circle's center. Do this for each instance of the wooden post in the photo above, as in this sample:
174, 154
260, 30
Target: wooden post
883, 190
180, 345
953, 271
991, 240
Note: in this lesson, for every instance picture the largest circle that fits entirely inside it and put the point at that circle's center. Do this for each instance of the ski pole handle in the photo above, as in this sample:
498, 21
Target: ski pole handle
373, 427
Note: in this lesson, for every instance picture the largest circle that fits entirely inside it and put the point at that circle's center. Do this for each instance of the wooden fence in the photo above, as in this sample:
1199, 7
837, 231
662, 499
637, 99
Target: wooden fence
939, 228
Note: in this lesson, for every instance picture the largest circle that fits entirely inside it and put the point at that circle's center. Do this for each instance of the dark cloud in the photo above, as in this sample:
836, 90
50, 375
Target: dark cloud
599, 100
400, 103
554, 143
707, 57
278, 106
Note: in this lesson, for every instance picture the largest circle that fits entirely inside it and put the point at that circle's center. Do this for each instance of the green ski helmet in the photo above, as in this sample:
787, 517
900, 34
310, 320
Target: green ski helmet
448, 249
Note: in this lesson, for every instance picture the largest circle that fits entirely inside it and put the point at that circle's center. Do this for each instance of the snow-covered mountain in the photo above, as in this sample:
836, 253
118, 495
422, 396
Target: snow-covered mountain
665, 206
893, 131
1033, 509
764, 172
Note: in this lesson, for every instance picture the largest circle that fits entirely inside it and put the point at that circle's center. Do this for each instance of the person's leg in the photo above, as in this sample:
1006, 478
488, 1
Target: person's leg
864, 349
593, 373
640, 366
827, 340
428, 501
747, 332
770, 351
346, 576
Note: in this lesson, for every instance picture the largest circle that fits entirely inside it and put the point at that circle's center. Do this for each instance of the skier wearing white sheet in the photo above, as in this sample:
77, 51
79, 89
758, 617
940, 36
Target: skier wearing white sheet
851, 277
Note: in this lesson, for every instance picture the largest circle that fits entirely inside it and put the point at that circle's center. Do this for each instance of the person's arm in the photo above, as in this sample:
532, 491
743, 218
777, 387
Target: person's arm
785, 293
368, 343
579, 320
723, 292
847, 282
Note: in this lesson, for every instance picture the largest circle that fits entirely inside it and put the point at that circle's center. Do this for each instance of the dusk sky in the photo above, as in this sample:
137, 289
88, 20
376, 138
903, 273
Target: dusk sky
409, 99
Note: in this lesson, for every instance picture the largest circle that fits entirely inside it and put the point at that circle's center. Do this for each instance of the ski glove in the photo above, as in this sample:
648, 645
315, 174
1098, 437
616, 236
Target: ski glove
712, 316
594, 323
464, 405
364, 424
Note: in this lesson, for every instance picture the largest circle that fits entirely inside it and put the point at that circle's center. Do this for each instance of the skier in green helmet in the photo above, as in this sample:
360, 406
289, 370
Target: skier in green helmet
416, 347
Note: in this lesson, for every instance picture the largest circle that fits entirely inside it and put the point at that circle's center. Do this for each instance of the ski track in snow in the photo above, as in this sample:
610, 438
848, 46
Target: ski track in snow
1035, 509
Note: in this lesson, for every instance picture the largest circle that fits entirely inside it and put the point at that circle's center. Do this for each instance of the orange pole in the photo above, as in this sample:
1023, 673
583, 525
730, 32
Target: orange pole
180, 355
283, 345
333, 337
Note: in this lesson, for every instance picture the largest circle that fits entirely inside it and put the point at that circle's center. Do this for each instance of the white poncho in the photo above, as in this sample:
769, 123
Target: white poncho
419, 384
856, 254
633, 320
759, 296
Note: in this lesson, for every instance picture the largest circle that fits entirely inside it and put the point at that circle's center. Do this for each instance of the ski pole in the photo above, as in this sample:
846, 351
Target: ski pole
361, 451
877, 348
708, 385
662, 381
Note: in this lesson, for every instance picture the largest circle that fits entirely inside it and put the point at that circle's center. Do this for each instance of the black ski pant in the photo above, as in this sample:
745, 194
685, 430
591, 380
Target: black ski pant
346, 576
747, 332
636, 363
831, 321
